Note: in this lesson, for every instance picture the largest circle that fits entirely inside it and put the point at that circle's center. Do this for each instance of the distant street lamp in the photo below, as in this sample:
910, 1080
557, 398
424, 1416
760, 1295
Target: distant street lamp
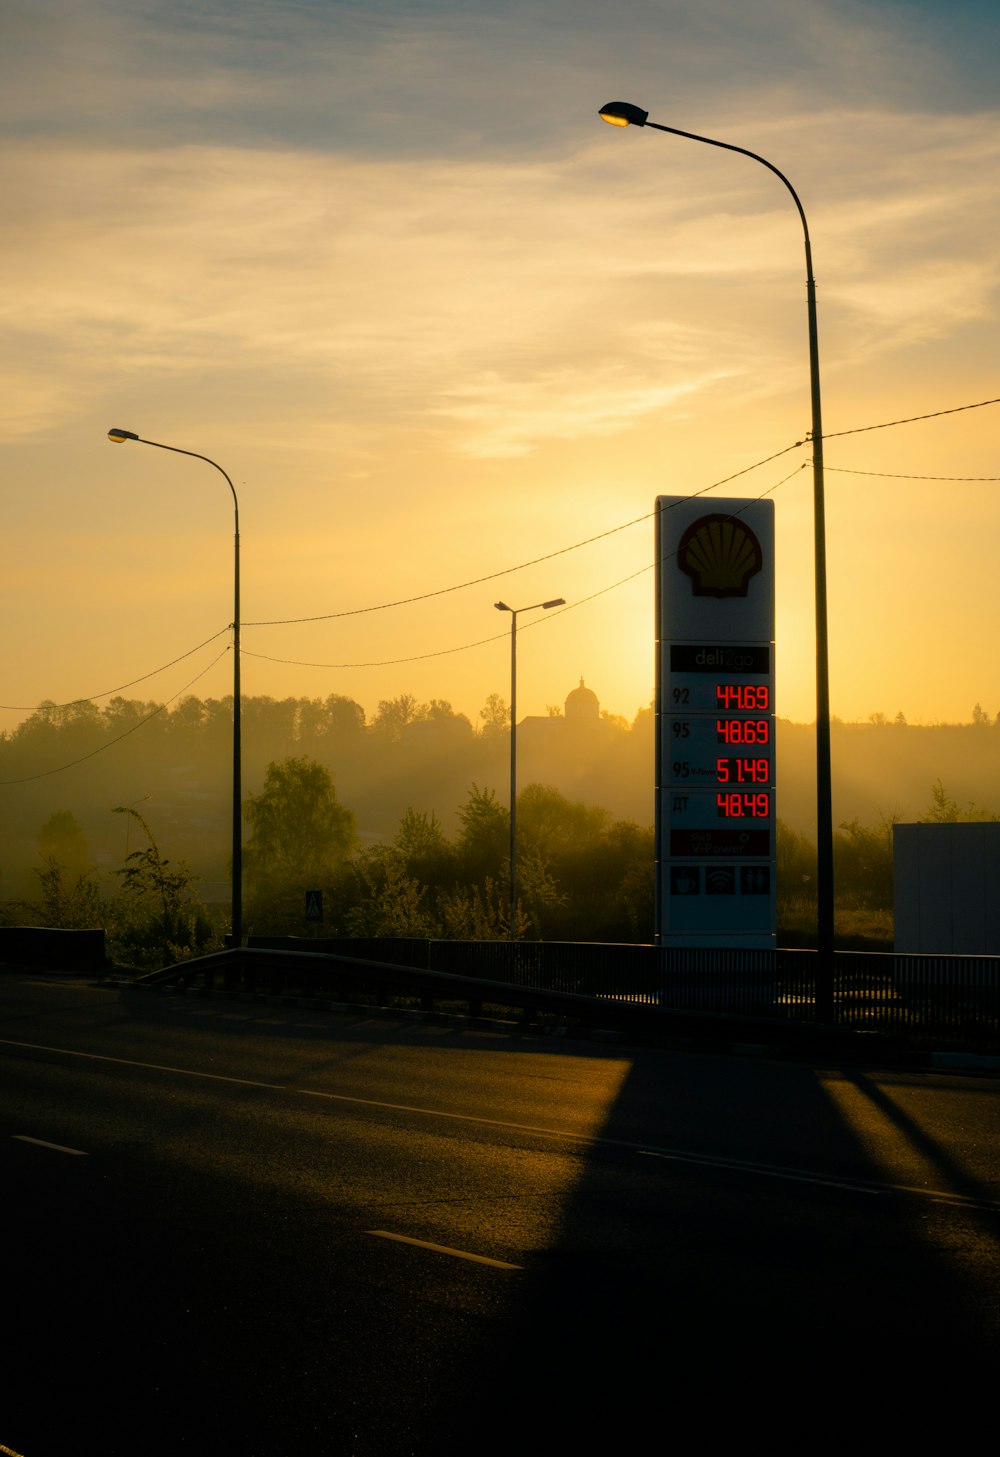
624, 113
502, 607
119, 437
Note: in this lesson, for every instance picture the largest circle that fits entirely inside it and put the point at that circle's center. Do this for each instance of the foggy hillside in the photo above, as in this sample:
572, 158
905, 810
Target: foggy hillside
175, 766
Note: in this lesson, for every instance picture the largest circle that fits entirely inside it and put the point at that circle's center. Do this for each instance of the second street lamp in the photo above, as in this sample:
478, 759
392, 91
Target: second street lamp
502, 607
118, 437
624, 113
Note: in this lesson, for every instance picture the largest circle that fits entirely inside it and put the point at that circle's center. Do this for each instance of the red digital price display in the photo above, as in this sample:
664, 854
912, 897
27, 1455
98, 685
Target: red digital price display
743, 697
743, 730
742, 771
743, 804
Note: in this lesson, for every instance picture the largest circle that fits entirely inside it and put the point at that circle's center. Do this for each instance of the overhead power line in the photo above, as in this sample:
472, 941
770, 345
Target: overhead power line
894, 475
909, 420
107, 693
549, 556
534, 622
161, 708
507, 571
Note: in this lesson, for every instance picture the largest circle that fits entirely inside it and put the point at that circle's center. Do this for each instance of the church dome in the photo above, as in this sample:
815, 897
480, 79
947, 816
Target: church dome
583, 703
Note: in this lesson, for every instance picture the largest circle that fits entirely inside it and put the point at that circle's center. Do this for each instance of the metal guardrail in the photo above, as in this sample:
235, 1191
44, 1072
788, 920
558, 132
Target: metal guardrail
914, 997
337, 979
905, 996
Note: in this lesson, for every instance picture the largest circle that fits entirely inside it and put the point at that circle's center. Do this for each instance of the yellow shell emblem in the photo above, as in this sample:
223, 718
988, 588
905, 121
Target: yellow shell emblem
720, 554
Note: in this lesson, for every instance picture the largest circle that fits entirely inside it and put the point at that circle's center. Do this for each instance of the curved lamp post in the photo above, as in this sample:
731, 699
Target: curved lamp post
119, 437
502, 607
624, 113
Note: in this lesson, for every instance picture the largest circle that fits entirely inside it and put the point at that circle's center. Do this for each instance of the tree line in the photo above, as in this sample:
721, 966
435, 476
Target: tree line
174, 764
582, 874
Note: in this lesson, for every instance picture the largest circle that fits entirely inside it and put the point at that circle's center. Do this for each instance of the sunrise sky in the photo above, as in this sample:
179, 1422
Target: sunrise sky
385, 264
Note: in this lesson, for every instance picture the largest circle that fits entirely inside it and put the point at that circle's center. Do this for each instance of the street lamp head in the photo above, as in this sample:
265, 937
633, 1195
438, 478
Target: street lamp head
623, 113
502, 607
556, 602
120, 436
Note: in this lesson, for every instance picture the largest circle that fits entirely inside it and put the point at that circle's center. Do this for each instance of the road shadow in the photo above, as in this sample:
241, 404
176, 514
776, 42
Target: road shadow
726, 1263
685, 1296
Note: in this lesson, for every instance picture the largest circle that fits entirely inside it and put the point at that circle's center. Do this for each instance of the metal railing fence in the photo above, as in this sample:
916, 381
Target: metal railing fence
957, 996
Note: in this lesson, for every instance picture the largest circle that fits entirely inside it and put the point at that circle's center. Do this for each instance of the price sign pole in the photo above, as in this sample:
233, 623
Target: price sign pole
715, 774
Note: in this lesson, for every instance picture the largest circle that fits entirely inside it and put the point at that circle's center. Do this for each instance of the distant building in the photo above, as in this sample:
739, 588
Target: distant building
583, 705
563, 748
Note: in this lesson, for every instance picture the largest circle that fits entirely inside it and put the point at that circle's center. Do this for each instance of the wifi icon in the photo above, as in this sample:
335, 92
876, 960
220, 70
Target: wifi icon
720, 880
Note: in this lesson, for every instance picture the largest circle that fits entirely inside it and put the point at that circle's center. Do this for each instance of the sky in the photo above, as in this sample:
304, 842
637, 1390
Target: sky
442, 326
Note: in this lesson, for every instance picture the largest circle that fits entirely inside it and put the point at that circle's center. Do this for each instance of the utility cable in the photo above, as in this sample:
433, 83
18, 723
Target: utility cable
562, 551
910, 420
534, 622
134, 729
507, 571
904, 476
90, 697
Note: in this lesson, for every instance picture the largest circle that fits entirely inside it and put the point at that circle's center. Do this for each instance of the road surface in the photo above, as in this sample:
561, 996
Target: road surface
236, 1227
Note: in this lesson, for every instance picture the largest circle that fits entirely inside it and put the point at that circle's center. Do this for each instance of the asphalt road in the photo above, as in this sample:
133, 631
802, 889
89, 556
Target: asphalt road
235, 1227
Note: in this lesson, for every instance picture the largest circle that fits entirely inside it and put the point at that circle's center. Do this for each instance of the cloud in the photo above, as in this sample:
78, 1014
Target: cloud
441, 78
409, 294
504, 420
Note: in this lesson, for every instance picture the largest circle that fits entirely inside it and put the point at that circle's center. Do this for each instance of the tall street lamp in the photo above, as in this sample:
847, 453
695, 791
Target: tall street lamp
502, 607
623, 113
119, 437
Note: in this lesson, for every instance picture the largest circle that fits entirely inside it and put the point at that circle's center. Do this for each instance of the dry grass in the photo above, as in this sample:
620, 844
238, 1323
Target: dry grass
856, 927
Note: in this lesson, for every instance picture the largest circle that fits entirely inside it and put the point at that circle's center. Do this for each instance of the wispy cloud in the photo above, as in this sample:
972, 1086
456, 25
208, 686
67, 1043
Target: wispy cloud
431, 291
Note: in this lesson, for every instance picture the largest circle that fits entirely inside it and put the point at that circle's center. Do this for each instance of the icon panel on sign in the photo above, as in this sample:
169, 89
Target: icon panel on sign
720, 880
685, 880
755, 880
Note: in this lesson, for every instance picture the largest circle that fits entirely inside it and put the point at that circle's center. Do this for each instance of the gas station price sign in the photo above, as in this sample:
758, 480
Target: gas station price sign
715, 722
743, 697
700, 750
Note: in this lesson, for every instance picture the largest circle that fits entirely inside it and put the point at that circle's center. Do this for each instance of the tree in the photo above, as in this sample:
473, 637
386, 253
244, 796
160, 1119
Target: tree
299, 830
862, 859
480, 913
393, 714
61, 838
387, 900
68, 893
160, 921
555, 825
538, 892
300, 838
494, 717
945, 811
484, 842
422, 848
65, 900
334, 719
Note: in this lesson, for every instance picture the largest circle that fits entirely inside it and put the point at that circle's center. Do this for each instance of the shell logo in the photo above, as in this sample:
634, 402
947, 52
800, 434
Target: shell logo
720, 554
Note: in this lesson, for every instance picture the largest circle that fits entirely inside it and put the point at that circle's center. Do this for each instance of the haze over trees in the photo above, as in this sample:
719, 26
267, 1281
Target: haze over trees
581, 875
174, 761
299, 836
158, 918
418, 816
